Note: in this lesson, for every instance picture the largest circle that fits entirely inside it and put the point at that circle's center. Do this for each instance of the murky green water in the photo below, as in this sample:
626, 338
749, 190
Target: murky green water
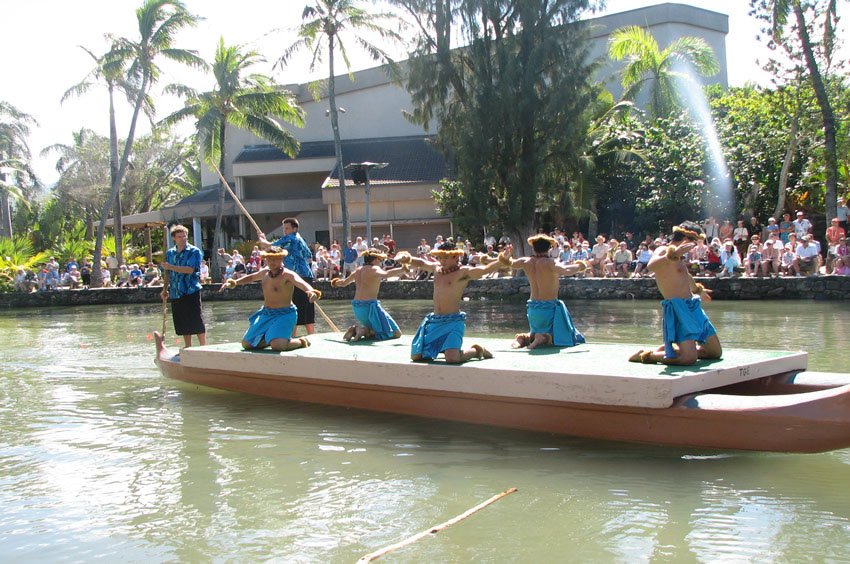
103, 459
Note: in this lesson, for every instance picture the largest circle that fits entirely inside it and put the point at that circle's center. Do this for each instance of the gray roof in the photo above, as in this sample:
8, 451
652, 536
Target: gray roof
411, 159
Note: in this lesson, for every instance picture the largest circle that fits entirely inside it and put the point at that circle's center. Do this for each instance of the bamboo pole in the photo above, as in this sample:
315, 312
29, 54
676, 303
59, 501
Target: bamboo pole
256, 227
434, 530
165, 280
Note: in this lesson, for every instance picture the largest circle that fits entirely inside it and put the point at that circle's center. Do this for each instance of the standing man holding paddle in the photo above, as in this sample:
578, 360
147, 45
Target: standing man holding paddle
298, 260
183, 265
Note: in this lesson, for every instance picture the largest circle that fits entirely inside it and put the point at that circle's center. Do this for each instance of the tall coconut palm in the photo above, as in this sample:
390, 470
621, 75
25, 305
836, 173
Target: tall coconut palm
648, 64
323, 24
109, 69
14, 158
777, 13
246, 101
158, 21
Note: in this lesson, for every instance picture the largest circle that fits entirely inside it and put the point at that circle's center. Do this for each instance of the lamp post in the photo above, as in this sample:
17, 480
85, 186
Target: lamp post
360, 175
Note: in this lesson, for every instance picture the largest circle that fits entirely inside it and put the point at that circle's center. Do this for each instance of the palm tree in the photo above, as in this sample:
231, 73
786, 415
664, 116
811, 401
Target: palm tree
246, 101
646, 62
322, 24
158, 22
14, 159
108, 68
777, 13
83, 181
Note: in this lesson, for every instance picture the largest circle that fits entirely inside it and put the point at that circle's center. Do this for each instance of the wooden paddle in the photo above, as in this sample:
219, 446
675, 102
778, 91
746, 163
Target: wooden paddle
327, 319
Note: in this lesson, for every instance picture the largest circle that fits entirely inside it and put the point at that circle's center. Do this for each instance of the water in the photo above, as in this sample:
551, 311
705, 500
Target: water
103, 459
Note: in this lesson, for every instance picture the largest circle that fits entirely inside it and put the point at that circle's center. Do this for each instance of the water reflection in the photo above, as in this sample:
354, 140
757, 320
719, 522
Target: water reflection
102, 458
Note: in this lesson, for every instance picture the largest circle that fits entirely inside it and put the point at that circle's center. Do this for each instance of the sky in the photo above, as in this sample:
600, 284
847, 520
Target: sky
43, 58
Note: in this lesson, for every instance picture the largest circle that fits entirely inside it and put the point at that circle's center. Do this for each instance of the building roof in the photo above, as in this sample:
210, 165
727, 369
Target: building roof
410, 159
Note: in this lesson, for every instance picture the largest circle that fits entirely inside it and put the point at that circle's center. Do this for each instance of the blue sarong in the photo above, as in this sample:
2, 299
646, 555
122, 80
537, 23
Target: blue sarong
369, 313
684, 320
438, 333
267, 324
552, 317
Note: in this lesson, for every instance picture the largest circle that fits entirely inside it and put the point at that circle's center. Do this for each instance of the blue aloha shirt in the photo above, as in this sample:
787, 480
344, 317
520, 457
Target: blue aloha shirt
299, 255
184, 284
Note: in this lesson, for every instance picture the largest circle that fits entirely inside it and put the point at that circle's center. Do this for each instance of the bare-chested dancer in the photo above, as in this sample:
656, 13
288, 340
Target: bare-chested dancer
442, 331
272, 324
373, 321
688, 334
548, 319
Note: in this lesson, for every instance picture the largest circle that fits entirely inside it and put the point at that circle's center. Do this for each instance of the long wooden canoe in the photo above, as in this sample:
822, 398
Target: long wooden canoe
749, 400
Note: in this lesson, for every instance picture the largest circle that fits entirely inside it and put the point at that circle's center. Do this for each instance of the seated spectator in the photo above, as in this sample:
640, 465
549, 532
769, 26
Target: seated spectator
135, 276
151, 276
842, 250
204, 273
622, 261
729, 259
771, 255
72, 278
229, 270
582, 252
841, 266
752, 264
786, 265
21, 283
712, 258
106, 278
239, 270
643, 256
807, 259
566, 253
598, 257
123, 278
834, 234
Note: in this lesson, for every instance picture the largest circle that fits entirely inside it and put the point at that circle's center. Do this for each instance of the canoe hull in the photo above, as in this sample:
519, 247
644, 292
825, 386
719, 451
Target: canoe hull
771, 419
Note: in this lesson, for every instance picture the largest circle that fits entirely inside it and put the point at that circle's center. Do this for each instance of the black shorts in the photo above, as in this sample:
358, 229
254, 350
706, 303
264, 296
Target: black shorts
306, 310
186, 313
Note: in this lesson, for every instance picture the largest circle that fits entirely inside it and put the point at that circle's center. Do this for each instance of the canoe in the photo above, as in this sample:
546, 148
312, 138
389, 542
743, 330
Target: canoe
749, 400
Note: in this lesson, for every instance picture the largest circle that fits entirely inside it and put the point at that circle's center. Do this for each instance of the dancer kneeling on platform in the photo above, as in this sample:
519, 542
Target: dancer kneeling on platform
687, 332
442, 331
272, 324
373, 322
548, 319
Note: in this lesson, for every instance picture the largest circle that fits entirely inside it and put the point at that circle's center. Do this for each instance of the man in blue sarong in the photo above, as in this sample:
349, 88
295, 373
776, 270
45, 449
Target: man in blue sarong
688, 334
442, 331
549, 320
373, 322
272, 325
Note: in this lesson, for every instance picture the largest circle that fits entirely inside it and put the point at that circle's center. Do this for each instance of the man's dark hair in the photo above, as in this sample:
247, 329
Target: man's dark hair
541, 246
449, 245
687, 230
292, 222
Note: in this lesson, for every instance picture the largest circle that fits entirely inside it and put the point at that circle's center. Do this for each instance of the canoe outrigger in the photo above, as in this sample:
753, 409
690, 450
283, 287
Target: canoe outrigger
749, 400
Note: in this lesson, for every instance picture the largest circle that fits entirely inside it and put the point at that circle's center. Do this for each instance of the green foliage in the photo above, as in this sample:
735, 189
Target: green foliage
672, 182
18, 252
510, 105
648, 65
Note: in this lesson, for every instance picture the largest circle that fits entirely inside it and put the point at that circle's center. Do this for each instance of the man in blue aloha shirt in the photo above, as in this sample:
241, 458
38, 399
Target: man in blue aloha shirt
298, 260
183, 265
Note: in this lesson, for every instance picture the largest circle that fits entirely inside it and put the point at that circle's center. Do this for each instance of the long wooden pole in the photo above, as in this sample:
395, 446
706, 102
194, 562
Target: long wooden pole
327, 319
165, 280
434, 530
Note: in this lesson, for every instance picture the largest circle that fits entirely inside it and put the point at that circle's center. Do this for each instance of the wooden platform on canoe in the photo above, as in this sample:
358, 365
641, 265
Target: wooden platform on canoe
595, 373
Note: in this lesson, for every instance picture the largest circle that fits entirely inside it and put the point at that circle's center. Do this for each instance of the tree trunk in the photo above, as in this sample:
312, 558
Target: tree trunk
793, 141
5, 211
97, 280
343, 200
827, 115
